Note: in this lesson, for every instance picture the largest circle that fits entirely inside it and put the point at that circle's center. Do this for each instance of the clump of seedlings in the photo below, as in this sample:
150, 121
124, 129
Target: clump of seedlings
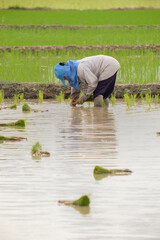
113, 98
101, 170
37, 151
40, 96
15, 139
83, 201
60, 97
1, 96
19, 123
14, 106
129, 99
27, 108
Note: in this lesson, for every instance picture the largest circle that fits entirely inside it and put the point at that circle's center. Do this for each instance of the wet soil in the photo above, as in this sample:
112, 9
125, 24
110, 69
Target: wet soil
31, 90
76, 26
155, 47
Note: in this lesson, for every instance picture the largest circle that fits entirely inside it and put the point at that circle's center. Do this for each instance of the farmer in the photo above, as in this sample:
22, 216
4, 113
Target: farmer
95, 74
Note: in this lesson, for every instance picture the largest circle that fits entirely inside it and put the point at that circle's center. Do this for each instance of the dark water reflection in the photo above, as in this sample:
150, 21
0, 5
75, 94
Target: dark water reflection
122, 207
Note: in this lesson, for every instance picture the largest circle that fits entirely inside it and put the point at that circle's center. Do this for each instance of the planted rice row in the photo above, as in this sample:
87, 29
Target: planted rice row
97, 36
137, 66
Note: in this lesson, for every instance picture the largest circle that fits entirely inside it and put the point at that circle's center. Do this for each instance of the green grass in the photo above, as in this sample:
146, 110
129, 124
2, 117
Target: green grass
80, 4
111, 36
94, 17
137, 66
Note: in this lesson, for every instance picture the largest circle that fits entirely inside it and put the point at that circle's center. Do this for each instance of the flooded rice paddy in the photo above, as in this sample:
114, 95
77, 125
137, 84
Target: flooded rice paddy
122, 207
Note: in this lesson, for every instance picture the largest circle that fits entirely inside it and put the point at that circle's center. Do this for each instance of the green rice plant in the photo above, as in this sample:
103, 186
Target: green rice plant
142, 97
1, 96
36, 148
21, 97
83, 201
26, 108
129, 99
67, 101
40, 96
16, 98
60, 97
19, 123
101, 170
113, 98
37, 151
148, 99
156, 99
14, 106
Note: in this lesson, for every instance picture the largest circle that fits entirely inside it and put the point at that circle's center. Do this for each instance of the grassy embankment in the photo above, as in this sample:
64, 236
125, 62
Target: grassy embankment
81, 4
137, 66
70, 17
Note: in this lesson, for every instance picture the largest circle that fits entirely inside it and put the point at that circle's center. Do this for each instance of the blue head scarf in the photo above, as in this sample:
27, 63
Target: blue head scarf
69, 70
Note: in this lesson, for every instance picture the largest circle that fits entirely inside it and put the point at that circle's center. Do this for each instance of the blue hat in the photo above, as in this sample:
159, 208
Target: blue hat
60, 71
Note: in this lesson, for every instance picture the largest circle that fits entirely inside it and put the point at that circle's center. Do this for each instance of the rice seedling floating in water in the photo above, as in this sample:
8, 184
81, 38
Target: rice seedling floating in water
27, 108
14, 106
15, 139
83, 201
40, 96
37, 151
60, 97
101, 170
19, 123
1, 96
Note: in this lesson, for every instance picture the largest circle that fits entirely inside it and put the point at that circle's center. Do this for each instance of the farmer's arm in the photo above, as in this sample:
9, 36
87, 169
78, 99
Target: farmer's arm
91, 80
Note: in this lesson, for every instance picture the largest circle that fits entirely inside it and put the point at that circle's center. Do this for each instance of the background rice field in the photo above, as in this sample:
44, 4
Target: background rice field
70, 17
90, 36
80, 4
137, 66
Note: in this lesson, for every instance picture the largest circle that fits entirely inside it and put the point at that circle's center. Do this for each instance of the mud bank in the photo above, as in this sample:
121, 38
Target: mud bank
75, 26
31, 90
155, 47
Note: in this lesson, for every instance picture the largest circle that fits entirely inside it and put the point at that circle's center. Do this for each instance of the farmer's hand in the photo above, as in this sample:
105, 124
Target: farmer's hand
73, 103
79, 101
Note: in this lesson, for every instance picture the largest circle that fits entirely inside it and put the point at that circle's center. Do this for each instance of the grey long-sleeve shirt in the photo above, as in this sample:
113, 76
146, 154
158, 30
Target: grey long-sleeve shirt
91, 70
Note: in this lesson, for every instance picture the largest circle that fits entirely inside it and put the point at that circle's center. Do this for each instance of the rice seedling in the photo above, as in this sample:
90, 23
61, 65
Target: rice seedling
16, 98
148, 99
26, 108
1, 96
37, 151
94, 17
101, 170
129, 99
113, 98
156, 99
21, 97
19, 123
60, 97
14, 106
67, 101
15, 139
83, 201
40, 96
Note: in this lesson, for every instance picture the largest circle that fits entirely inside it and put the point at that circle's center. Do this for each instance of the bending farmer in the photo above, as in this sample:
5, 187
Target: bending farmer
96, 74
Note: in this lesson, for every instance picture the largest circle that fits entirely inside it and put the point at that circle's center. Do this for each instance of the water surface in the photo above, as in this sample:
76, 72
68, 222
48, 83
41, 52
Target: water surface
122, 207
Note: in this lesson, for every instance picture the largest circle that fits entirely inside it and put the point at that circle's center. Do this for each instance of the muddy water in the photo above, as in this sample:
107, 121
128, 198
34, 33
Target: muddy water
122, 207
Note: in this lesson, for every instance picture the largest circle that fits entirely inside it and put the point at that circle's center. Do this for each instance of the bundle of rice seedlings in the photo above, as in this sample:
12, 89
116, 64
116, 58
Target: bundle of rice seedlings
83, 201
